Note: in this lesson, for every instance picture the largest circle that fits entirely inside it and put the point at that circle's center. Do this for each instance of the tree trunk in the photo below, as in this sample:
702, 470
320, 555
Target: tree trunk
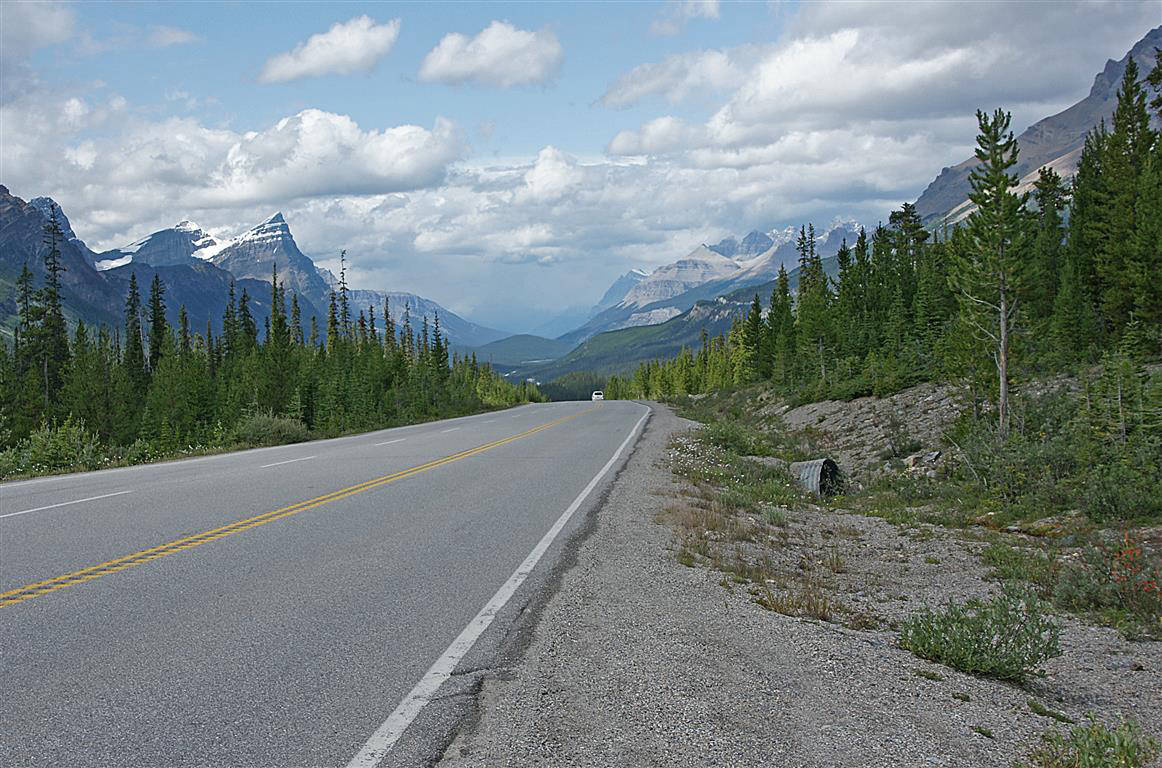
1003, 366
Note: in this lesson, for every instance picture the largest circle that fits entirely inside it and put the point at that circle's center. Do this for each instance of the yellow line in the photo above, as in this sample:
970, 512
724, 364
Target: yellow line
36, 589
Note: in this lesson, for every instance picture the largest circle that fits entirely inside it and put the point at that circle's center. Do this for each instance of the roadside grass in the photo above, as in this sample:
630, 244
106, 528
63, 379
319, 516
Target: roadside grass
1093, 745
1006, 638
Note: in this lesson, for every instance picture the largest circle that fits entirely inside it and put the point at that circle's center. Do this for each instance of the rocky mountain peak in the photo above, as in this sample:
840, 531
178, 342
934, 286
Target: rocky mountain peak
44, 206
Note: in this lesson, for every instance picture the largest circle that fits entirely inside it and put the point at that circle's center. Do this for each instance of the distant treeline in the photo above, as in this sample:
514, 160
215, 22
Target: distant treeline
159, 389
1027, 285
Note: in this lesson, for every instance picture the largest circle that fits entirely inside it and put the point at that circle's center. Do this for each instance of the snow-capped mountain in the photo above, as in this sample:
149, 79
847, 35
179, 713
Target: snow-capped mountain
707, 272
699, 266
259, 251
753, 243
621, 286
197, 268
164, 248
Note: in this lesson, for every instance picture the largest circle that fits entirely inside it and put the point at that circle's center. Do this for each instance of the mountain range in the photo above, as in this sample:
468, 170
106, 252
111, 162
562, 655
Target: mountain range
197, 269
704, 273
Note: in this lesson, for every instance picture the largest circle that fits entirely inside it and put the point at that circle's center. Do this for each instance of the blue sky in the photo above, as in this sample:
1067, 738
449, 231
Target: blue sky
235, 40
510, 160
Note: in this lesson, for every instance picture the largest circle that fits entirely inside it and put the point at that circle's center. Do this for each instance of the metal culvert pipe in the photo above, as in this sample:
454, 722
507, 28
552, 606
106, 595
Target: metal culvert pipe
819, 476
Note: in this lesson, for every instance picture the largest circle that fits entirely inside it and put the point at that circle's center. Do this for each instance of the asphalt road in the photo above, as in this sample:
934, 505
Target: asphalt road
277, 607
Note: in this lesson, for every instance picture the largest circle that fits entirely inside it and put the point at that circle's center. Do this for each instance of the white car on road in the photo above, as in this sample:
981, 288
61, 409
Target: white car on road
598, 395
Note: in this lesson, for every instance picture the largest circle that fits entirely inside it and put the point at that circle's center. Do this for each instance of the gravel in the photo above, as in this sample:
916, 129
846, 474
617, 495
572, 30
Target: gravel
637, 660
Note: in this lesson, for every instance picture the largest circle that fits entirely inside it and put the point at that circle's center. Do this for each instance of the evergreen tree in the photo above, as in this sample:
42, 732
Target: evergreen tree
246, 323
51, 336
812, 312
1074, 326
183, 330
231, 333
1147, 263
134, 361
1127, 154
344, 302
753, 338
158, 328
1048, 244
782, 320
989, 275
296, 320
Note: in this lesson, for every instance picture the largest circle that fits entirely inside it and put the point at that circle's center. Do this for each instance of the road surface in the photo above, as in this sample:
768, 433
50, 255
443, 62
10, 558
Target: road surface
319, 604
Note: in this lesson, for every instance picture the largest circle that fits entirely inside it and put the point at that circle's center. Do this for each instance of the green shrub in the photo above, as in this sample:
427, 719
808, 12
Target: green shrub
257, 428
1093, 745
68, 446
733, 436
9, 462
1007, 637
141, 451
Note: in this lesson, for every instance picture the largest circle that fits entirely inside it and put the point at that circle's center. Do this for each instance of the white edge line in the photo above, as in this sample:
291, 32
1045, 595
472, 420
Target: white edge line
64, 504
389, 442
288, 461
380, 743
453, 429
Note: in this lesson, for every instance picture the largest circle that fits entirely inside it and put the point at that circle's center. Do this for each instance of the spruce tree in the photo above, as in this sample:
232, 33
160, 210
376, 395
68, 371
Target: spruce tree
1048, 245
54, 339
1127, 154
183, 330
134, 360
246, 324
783, 319
754, 331
1145, 280
158, 328
1074, 327
990, 274
344, 302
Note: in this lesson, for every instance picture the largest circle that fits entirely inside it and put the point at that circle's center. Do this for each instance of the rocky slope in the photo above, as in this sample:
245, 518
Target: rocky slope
87, 294
1055, 141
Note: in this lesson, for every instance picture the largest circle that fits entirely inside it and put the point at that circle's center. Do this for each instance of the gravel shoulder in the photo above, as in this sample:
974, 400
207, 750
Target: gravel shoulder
639, 660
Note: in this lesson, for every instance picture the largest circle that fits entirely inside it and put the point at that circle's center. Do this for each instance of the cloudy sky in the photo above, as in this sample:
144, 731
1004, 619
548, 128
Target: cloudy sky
510, 160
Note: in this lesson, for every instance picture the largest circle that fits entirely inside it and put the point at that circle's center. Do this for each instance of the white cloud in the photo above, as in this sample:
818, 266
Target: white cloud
122, 172
28, 26
162, 36
501, 56
679, 75
321, 153
671, 20
347, 47
660, 136
552, 176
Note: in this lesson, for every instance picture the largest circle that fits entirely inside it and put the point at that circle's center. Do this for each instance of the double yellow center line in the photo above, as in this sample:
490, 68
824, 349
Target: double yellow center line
29, 591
